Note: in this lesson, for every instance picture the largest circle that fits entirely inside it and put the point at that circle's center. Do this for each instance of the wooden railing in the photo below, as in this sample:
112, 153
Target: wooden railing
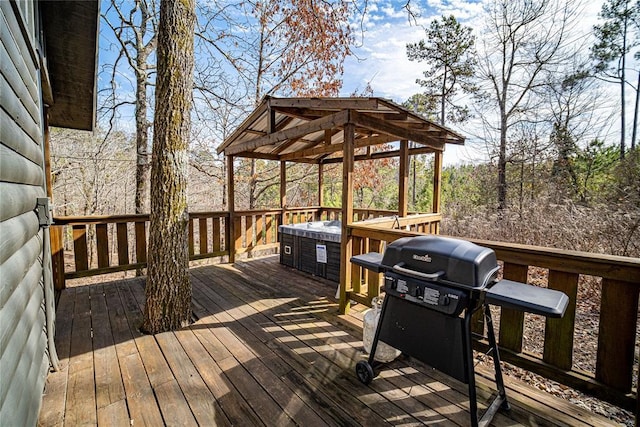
358, 214
612, 379
96, 245
107, 244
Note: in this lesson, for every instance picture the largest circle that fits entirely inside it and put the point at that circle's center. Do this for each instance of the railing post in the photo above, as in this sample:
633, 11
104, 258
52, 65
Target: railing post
56, 235
558, 337
231, 203
437, 185
617, 334
512, 321
347, 216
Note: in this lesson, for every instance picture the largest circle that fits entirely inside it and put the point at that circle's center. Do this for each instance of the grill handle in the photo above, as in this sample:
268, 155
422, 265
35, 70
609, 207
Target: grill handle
398, 268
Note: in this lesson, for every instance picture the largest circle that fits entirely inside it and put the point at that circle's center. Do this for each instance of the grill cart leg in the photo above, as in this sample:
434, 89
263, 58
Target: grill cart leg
501, 399
496, 358
364, 369
473, 400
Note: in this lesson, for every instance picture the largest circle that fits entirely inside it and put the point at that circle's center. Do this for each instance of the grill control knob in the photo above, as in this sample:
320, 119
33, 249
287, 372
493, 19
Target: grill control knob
389, 282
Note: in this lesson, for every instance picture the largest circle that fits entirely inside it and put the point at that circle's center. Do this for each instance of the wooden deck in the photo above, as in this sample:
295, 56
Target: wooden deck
267, 349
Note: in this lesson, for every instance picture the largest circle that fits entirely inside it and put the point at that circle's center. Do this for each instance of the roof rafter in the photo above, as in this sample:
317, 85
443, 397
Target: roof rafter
329, 122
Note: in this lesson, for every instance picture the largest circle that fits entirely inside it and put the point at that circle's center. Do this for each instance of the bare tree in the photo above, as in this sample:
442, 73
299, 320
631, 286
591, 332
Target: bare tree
282, 47
522, 42
615, 39
574, 101
168, 290
134, 25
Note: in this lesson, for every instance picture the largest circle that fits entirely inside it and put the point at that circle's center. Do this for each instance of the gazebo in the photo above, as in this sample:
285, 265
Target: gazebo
333, 130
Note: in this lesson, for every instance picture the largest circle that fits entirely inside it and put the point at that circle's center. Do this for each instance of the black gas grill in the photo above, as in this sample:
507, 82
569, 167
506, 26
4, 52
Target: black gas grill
433, 287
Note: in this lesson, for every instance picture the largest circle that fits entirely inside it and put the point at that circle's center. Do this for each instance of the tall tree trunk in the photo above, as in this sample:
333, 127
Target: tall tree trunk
634, 133
142, 137
623, 81
443, 98
502, 165
168, 290
622, 115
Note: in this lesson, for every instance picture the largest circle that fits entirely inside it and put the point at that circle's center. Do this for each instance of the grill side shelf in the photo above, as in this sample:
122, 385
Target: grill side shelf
528, 298
371, 261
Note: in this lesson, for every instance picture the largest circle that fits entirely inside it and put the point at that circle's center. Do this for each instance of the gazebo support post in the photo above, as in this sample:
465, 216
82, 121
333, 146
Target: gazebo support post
283, 192
437, 184
320, 189
403, 179
231, 240
347, 216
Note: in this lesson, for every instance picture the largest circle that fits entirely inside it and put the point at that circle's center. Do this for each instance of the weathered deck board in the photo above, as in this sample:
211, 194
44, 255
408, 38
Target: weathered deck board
267, 349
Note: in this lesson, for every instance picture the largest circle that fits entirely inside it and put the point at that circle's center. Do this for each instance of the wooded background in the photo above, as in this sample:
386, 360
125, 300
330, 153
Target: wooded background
552, 176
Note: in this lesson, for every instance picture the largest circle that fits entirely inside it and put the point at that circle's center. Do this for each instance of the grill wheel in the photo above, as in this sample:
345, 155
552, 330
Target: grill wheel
364, 371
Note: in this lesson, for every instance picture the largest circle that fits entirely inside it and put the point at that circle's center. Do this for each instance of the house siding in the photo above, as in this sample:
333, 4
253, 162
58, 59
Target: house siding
23, 339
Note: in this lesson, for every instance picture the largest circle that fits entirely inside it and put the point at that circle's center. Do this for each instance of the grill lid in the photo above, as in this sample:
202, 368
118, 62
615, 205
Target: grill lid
448, 260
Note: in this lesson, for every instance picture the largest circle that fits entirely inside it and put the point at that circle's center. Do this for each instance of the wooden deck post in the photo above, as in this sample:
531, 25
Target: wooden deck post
56, 233
283, 191
437, 184
347, 216
403, 178
230, 244
320, 186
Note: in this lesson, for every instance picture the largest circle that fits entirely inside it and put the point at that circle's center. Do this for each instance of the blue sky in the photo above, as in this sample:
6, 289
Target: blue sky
381, 58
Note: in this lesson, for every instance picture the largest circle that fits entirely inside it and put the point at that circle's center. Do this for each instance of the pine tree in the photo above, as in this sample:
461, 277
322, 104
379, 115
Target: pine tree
449, 50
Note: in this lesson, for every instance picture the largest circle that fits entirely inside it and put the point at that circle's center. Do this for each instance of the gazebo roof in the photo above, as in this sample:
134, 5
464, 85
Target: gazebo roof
310, 130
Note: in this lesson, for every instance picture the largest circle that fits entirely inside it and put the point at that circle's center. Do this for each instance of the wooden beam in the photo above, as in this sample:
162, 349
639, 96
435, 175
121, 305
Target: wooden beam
283, 189
334, 120
257, 155
403, 178
284, 145
246, 124
231, 207
334, 148
328, 134
325, 103
437, 186
272, 119
347, 216
382, 155
320, 184
47, 154
399, 132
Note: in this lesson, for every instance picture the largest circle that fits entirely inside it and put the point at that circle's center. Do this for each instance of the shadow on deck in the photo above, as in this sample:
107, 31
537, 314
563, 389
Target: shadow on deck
267, 348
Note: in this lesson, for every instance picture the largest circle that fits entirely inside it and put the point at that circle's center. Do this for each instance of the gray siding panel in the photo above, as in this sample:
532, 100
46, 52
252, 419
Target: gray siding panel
17, 198
25, 365
23, 340
12, 136
16, 80
16, 168
21, 330
13, 106
14, 269
14, 48
16, 232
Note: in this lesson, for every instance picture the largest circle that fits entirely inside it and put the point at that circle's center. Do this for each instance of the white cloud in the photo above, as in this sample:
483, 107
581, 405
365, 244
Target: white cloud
382, 59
